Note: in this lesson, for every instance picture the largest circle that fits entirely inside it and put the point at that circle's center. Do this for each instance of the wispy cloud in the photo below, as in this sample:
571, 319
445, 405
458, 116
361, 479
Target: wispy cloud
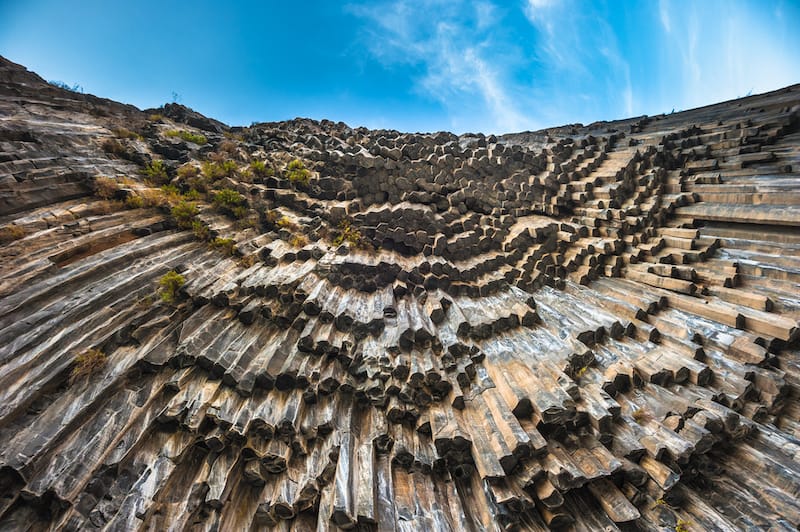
663, 12
537, 9
577, 58
486, 14
453, 49
728, 59
500, 67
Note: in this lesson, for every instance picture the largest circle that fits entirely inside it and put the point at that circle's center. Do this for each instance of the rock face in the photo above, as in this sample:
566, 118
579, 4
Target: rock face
593, 327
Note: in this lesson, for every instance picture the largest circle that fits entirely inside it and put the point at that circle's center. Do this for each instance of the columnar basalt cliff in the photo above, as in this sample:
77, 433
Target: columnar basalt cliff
305, 325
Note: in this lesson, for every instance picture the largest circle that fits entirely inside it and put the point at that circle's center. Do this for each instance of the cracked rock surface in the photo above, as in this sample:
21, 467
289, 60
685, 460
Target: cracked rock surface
589, 327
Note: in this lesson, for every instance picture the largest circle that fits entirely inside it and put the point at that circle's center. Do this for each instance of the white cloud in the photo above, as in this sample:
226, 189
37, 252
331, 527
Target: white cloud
535, 9
453, 51
495, 70
577, 58
627, 94
663, 11
507, 116
485, 13
746, 49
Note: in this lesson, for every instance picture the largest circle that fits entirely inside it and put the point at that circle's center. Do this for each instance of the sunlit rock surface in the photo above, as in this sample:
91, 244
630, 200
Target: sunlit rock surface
590, 326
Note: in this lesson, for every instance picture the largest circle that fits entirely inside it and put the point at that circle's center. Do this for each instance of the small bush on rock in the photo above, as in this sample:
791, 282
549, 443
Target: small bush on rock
156, 172
285, 223
260, 169
297, 173
134, 201
217, 170
298, 241
124, 133
227, 146
228, 198
170, 283
171, 192
239, 212
192, 195
11, 233
105, 187
228, 245
248, 261
188, 136
201, 230
230, 202
640, 415
114, 147
184, 213
271, 216
153, 198
187, 171
87, 364
351, 235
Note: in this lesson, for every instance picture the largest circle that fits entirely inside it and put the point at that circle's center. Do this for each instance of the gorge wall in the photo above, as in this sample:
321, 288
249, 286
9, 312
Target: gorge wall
305, 326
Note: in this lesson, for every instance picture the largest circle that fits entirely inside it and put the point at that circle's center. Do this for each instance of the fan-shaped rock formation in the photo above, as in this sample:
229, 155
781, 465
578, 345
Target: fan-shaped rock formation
307, 326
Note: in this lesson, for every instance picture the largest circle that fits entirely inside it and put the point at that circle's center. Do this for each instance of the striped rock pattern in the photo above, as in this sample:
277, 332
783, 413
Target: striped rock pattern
592, 327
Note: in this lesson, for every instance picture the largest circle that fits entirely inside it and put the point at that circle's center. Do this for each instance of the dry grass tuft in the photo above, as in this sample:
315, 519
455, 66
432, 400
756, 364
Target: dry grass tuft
11, 233
105, 187
87, 364
298, 241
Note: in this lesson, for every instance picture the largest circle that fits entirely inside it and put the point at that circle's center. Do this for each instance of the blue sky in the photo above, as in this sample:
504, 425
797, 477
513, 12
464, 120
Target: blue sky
412, 65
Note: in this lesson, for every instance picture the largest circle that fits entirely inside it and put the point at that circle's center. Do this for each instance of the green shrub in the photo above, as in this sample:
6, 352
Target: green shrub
297, 173
192, 195
228, 245
134, 201
230, 202
229, 168
200, 230
216, 170
86, 364
188, 136
298, 241
349, 234
285, 223
184, 213
240, 212
171, 191
156, 171
170, 283
212, 170
227, 197
260, 169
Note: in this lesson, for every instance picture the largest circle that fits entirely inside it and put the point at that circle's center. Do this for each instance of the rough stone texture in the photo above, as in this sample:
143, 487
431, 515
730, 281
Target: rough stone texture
592, 327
